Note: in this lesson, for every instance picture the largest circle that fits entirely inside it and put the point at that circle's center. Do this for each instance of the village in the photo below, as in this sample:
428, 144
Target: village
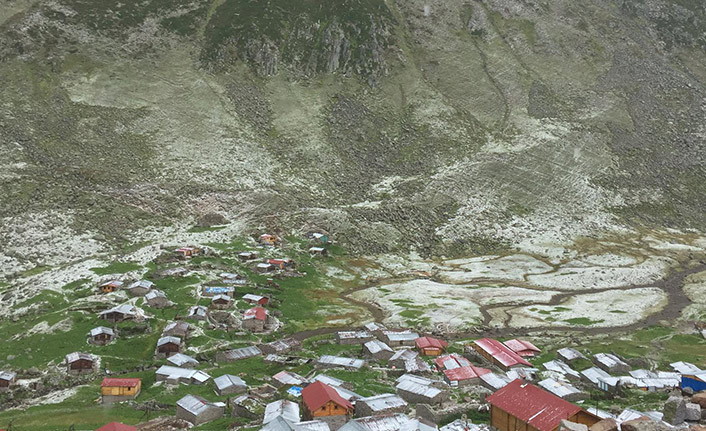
224, 356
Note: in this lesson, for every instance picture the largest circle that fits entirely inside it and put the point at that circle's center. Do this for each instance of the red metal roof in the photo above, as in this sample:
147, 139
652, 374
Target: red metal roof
465, 373
317, 394
116, 426
533, 405
120, 382
522, 347
258, 313
501, 352
430, 343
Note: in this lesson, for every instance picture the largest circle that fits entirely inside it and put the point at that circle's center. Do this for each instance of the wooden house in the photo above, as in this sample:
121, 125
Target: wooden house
115, 390
429, 346
521, 406
256, 299
197, 312
320, 400
176, 329
101, 336
167, 346
282, 264
120, 313
140, 287
80, 363
110, 286
7, 379
197, 410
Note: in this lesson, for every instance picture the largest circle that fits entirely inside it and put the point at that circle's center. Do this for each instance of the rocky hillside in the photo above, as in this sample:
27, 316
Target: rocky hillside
450, 126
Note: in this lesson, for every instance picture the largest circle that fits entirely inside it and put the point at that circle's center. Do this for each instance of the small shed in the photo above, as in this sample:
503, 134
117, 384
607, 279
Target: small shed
429, 346
157, 299
197, 312
449, 362
319, 237
563, 390
494, 381
110, 286
377, 350
140, 287
318, 251
7, 379
197, 410
188, 252
167, 346
264, 267
115, 390
101, 335
211, 291
229, 384
80, 363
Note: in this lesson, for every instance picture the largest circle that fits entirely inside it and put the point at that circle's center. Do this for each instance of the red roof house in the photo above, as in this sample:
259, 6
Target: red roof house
499, 354
522, 347
523, 406
255, 319
320, 399
116, 426
430, 346
464, 375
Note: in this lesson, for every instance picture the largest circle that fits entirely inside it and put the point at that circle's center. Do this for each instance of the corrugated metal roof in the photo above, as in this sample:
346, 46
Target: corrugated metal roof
176, 326
405, 335
281, 408
501, 353
377, 423
331, 381
196, 405
221, 297
169, 340
461, 425
609, 360
532, 405
253, 298
198, 310
374, 326
561, 367
144, 284
404, 354
560, 389
495, 381
465, 373
289, 378
449, 362
417, 379
75, 356
522, 347
282, 424
242, 353
419, 389
215, 290
376, 346
180, 359
102, 330
339, 361
595, 374
7, 375
382, 402
257, 313
430, 343
352, 335
196, 376
685, 367
154, 294
570, 354
127, 309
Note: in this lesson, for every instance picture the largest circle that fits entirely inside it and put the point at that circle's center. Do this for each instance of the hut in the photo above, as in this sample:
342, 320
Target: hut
140, 287
7, 379
256, 299
417, 390
256, 319
182, 360
380, 405
157, 299
229, 384
377, 350
110, 286
353, 337
101, 336
167, 346
80, 363
221, 302
176, 329
115, 390
197, 410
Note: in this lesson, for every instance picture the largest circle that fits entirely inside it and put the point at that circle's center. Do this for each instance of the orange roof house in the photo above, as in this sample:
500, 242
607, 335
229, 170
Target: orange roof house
429, 346
114, 390
320, 400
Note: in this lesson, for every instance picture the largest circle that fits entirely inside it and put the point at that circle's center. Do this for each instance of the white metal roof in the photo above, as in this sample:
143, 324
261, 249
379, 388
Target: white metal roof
377, 423
145, 284
228, 380
180, 359
196, 376
281, 424
401, 335
560, 389
102, 330
331, 381
594, 374
419, 389
495, 381
7, 375
243, 353
562, 367
383, 402
609, 360
351, 335
169, 339
340, 361
154, 294
685, 367
252, 297
374, 326
376, 346
127, 309
404, 354
570, 354
197, 405
75, 356
281, 408
289, 378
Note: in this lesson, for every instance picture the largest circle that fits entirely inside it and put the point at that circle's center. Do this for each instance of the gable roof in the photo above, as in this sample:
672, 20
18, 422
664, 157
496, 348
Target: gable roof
465, 373
318, 394
449, 362
257, 313
517, 346
196, 405
120, 382
430, 343
532, 405
501, 352
116, 426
